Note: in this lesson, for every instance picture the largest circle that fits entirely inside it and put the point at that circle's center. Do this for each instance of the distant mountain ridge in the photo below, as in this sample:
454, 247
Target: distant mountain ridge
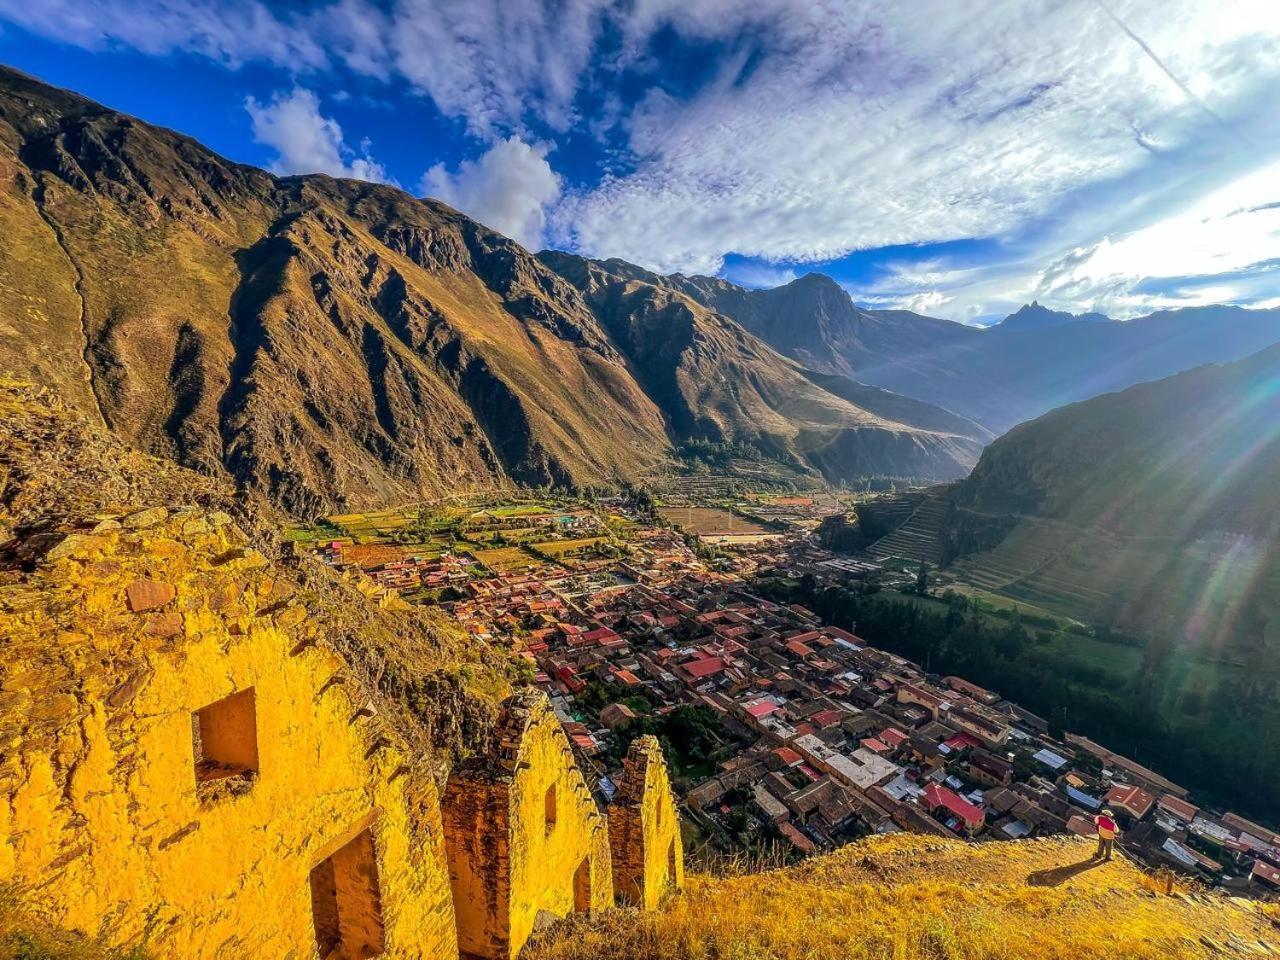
1035, 360
1033, 316
337, 344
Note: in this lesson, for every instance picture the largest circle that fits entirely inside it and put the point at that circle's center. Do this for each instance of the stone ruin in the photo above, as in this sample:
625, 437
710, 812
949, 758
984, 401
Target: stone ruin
189, 765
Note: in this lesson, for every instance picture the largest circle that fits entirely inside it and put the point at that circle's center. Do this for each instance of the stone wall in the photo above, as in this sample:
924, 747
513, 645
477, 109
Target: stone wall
526, 841
207, 836
644, 829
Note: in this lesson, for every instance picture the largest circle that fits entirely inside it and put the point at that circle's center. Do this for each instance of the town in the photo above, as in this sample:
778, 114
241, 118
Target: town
787, 736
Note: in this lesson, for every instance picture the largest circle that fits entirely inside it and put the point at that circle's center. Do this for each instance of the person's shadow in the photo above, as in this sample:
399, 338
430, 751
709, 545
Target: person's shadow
1060, 875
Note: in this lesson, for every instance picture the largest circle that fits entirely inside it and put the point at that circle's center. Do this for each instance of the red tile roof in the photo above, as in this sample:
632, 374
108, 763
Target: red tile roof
1265, 871
788, 756
762, 708
826, 718
799, 648
1133, 799
937, 796
1178, 807
962, 740
893, 736
706, 667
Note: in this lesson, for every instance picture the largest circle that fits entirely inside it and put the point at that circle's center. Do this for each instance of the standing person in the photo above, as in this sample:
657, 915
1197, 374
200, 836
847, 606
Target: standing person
1107, 830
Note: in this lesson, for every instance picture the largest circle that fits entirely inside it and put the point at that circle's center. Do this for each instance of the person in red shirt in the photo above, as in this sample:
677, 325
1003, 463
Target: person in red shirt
1107, 831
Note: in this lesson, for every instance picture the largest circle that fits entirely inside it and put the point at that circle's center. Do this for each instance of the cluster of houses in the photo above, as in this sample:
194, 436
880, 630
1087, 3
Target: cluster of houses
841, 739
832, 739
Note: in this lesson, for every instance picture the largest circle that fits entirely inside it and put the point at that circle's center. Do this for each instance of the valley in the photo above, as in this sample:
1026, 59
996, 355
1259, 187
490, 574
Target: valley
365, 570
667, 617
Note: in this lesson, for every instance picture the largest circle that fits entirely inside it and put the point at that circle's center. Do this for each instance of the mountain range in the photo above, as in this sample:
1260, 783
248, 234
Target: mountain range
335, 344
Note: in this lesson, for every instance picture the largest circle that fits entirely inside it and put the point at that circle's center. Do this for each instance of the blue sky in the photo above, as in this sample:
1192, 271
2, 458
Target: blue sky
955, 159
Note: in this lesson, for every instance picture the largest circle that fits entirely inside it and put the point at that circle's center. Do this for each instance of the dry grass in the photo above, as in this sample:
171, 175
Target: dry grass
915, 898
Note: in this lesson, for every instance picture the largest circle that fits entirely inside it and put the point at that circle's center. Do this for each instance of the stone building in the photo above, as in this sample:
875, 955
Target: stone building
188, 763
526, 841
644, 828
186, 760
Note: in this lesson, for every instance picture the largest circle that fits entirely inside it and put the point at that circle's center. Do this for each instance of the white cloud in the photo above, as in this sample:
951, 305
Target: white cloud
508, 188
1063, 127
307, 142
759, 275
228, 31
904, 123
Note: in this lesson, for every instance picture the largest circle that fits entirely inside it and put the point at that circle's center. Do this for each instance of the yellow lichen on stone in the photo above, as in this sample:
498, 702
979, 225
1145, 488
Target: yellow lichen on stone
111, 819
526, 841
644, 828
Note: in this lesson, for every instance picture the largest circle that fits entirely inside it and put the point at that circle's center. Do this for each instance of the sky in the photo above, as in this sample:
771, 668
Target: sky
957, 159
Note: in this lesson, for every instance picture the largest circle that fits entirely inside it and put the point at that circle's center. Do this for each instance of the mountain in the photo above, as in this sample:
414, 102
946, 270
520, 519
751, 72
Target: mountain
336, 344
1189, 455
1035, 360
1032, 316
1154, 509
1153, 513
715, 379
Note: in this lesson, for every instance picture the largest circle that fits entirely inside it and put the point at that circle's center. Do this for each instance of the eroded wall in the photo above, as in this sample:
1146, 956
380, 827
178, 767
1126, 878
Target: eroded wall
644, 828
110, 646
512, 867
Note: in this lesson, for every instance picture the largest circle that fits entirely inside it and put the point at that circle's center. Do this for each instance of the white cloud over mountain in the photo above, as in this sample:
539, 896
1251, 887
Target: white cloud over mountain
306, 142
508, 188
1083, 135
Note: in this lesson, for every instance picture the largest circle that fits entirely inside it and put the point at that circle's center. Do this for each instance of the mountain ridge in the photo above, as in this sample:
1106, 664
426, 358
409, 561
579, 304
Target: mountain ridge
336, 344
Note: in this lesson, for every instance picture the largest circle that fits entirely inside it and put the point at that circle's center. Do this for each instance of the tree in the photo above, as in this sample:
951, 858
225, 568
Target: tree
922, 579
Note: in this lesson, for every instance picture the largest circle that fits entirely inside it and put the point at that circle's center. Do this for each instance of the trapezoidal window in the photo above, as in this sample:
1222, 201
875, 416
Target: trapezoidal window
225, 739
346, 903
549, 803
582, 886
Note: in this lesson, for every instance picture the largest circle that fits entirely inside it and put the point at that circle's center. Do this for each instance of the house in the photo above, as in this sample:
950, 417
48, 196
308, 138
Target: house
1177, 808
1134, 801
1265, 873
616, 715
990, 770
944, 802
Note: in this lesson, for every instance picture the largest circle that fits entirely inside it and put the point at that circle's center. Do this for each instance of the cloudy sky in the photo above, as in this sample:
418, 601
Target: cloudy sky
954, 158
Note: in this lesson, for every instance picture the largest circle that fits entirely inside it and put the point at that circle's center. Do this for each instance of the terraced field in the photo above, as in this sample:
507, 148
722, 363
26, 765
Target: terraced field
1029, 546
917, 540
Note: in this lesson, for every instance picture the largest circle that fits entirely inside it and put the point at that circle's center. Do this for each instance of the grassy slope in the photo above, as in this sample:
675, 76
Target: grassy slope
908, 897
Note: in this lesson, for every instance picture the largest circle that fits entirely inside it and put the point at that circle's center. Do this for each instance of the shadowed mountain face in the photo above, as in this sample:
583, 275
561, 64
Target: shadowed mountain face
337, 344
1033, 361
1156, 508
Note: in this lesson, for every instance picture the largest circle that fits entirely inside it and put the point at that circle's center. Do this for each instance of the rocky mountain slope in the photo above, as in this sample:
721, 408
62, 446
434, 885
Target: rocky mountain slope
1035, 360
918, 898
335, 344
715, 379
62, 475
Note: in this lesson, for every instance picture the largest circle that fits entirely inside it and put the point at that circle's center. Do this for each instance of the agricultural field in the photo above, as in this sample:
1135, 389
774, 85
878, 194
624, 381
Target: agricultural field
710, 521
505, 559
561, 548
